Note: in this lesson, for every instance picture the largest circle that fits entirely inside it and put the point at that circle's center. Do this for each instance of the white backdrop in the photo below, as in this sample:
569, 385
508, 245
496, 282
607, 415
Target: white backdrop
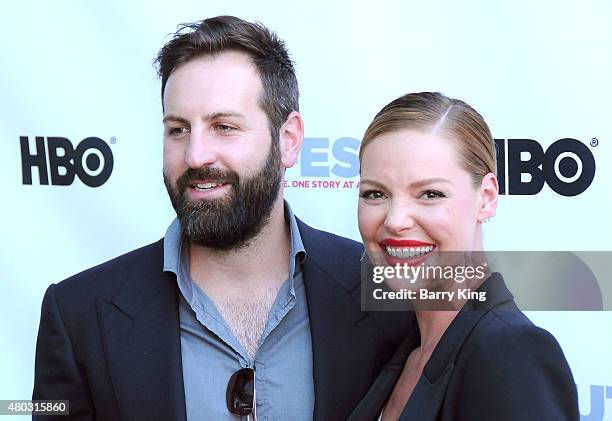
536, 70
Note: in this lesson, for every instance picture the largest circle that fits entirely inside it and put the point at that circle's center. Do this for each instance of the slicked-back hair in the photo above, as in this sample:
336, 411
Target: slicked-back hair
213, 36
433, 112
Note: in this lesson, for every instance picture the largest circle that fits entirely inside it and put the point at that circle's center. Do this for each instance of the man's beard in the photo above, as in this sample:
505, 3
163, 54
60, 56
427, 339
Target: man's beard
229, 222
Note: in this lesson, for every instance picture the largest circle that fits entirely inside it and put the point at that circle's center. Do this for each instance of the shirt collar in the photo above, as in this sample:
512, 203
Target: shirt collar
172, 247
298, 252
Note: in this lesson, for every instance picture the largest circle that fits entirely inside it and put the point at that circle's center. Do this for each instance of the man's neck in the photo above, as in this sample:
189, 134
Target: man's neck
262, 264
244, 283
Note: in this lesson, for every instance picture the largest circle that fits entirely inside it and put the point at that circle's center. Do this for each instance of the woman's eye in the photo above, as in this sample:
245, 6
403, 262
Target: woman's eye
372, 194
432, 194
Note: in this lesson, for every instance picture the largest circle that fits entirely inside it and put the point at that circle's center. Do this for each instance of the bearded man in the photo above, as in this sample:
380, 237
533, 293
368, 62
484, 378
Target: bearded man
241, 309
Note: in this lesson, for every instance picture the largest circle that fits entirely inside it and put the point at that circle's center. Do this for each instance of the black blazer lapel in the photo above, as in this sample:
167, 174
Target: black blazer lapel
428, 395
371, 405
141, 336
343, 345
426, 399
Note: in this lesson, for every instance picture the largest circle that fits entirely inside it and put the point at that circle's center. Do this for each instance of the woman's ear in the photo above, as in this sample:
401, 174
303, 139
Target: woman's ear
489, 191
291, 137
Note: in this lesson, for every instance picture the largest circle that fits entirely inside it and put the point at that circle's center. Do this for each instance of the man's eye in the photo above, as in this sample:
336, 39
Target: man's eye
432, 194
178, 131
224, 128
372, 194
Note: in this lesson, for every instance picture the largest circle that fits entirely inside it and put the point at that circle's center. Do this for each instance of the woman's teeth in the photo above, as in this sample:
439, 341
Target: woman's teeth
408, 252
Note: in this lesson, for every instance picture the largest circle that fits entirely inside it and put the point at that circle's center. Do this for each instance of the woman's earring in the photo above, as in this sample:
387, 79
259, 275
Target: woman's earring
488, 218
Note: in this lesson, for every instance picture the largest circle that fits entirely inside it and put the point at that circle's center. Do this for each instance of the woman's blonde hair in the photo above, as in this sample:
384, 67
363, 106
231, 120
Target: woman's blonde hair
453, 119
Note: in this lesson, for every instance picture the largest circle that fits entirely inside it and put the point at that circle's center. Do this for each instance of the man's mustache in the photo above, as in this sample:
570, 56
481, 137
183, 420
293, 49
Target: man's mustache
210, 174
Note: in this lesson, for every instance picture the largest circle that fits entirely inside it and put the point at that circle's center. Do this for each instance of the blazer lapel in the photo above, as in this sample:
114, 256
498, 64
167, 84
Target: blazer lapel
141, 335
342, 346
428, 395
372, 404
426, 399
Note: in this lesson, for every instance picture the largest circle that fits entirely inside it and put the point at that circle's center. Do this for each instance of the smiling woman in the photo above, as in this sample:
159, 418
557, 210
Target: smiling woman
428, 182
439, 181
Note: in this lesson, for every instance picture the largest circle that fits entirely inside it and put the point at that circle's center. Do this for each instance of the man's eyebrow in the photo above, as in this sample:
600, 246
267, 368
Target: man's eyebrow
220, 114
208, 117
172, 117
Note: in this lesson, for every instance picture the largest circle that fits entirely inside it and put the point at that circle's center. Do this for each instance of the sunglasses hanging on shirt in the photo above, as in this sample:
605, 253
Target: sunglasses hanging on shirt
240, 395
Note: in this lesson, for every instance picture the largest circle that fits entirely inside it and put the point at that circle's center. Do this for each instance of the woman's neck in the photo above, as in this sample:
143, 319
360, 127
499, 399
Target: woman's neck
432, 325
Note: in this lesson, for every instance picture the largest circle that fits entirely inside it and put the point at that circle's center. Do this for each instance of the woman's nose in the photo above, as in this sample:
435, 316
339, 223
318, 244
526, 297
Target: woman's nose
400, 217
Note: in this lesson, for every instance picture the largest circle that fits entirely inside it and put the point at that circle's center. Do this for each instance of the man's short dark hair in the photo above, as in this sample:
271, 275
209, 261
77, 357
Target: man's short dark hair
213, 36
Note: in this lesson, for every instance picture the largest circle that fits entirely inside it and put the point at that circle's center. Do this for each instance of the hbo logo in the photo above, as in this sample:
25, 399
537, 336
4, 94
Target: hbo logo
91, 161
567, 166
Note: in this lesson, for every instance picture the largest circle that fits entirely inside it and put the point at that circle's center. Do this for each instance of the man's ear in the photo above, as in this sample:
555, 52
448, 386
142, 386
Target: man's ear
291, 137
489, 191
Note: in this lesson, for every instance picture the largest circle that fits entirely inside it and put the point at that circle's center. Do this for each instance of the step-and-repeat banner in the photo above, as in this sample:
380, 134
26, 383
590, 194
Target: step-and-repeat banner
81, 135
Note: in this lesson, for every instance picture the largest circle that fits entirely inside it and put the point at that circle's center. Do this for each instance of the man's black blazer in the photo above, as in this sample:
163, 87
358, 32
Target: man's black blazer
109, 339
491, 364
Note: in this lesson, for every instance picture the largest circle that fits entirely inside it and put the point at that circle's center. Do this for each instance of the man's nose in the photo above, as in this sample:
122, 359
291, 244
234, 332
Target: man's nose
201, 150
400, 217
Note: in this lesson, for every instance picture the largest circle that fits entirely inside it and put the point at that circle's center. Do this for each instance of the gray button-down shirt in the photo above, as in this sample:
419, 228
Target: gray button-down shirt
211, 354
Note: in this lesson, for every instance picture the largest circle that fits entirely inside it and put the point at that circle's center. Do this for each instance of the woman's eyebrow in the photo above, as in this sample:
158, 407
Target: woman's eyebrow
415, 184
427, 181
373, 182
